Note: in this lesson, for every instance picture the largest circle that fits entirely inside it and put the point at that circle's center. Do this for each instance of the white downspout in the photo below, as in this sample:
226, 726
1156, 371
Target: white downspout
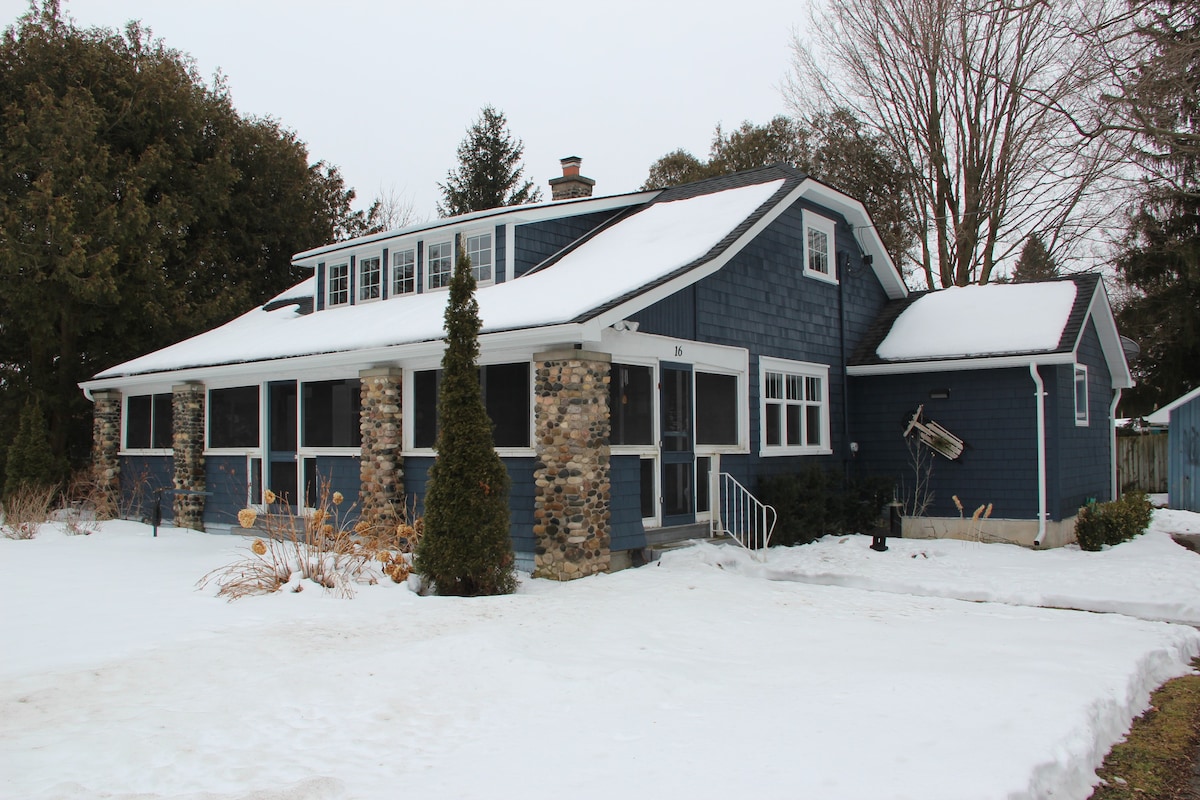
1040, 394
1112, 423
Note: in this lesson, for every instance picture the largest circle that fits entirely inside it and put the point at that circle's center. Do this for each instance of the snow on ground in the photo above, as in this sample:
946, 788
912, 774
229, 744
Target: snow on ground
702, 676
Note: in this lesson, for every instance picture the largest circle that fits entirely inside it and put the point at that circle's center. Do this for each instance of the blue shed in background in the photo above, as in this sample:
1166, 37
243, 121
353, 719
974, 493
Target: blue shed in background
1182, 417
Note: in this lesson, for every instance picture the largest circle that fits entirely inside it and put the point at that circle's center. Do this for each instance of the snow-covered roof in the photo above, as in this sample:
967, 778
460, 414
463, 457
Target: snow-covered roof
1163, 415
655, 242
997, 319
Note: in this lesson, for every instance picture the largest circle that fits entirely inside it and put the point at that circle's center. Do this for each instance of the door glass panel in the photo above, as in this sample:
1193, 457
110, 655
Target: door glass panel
283, 482
677, 489
283, 417
677, 410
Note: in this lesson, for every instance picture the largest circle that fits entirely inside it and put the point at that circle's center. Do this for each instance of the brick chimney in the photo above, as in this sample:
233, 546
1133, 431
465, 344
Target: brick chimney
571, 184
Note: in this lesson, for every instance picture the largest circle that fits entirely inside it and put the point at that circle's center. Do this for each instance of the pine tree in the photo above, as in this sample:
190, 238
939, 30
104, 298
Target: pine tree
1034, 263
30, 461
465, 549
489, 172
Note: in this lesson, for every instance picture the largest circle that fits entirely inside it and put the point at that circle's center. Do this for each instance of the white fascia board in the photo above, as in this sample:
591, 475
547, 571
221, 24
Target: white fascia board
319, 365
869, 241
681, 282
512, 215
1100, 312
1162, 416
960, 364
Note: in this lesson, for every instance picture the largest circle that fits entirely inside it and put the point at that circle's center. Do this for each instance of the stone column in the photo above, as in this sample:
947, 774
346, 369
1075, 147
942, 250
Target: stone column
381, 470
572, 490
187, 409
106, 444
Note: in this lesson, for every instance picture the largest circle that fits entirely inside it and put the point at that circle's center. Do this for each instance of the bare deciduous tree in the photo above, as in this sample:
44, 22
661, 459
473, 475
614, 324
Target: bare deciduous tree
391, 210
987, 102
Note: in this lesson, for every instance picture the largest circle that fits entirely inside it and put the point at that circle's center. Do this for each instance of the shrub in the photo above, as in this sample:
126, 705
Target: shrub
30, 460
1114, 522
817, 502
25, 509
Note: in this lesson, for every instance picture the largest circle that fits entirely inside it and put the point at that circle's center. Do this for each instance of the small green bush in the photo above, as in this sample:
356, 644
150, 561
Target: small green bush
1111, 523
818, 502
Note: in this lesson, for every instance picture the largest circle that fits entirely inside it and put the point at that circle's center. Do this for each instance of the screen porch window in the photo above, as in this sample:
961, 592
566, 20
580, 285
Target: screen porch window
404, 271
795, 408
233, 417
439, 264
148, 421
339, 284
631, 404
506, 392
716, 409
370, 277
330, 413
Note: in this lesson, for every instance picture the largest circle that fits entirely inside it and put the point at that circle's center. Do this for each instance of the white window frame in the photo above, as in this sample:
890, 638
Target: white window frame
377, 284
342, 290
140, 451
397, 278
429, 274
798, 369
475, 236
815, 223
1080, 373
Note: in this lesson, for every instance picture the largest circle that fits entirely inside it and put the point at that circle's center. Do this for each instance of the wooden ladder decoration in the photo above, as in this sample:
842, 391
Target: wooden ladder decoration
934, 436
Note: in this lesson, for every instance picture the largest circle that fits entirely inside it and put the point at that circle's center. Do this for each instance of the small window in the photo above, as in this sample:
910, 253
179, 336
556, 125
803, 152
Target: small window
479, 250
506, 397
1081, 395
716, 409
404, 271
148, 422
370, 277
795, 407
631, 404
233, 417
339, 284
330, 411
439, 264
818, 247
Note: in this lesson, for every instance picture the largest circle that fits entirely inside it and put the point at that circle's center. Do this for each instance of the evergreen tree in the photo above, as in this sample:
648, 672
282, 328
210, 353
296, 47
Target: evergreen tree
1034, 263
489, 172
30, 461
1159, 261
465, 548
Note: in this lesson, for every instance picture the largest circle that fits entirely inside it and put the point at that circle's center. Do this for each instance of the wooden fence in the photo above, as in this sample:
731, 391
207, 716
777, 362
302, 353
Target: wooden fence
1142, 463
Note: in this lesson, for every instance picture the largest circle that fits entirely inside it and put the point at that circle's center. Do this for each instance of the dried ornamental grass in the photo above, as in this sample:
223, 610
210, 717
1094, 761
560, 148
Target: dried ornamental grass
26, 509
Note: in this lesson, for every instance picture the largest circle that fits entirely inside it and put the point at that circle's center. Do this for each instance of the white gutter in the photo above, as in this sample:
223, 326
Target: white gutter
959, 364
1112, 424
1040, 394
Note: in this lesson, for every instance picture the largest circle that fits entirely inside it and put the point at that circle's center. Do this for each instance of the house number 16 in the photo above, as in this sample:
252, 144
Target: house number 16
678, 350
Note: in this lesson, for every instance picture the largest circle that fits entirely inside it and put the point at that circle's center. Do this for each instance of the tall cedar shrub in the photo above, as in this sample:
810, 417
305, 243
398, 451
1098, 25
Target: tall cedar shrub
30, 460
465, 549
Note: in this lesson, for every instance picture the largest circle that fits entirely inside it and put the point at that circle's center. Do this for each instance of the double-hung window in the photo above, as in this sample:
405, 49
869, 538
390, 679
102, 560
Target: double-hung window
795, 407
370, 278
439, 264
1081, 395
148, 420
404, 271
479, 250
339, 284
818, 247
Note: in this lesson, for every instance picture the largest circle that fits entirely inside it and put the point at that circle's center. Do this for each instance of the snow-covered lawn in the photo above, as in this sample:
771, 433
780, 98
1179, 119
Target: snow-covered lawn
831, 671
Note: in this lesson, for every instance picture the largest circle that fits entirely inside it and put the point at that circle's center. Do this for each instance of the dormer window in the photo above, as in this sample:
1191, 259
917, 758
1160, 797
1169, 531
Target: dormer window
439, 264
404, 271
339, 284
479, 249
370, 277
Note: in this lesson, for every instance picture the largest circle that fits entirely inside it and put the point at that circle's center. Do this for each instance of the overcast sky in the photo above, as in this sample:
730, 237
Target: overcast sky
386, 91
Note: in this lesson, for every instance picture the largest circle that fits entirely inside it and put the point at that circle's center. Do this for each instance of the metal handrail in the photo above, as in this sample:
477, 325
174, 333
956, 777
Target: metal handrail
741, 515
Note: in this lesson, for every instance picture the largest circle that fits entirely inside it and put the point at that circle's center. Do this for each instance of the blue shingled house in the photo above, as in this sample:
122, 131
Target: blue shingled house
1182, 418
642, 356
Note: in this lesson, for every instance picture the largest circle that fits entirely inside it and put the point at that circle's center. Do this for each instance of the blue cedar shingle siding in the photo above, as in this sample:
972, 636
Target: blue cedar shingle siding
626, 505
1183, 465
761, 300
343, 475
520, 498
227, 481
537, 241
498, 259
993, 411
1079, 458
140, 476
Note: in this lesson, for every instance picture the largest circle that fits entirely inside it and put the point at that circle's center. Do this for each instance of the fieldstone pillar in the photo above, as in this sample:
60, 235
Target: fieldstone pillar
106, 444
572, 475
187, 443
381, 471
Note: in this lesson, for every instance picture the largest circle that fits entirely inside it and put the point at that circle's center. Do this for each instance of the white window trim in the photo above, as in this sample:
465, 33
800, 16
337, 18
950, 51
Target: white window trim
802, 369
1084, 420
743, 403
491, 234
824, 225
391, 269
428, 276
358, 287
140, 451
243, 450
329, 284
408, 420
